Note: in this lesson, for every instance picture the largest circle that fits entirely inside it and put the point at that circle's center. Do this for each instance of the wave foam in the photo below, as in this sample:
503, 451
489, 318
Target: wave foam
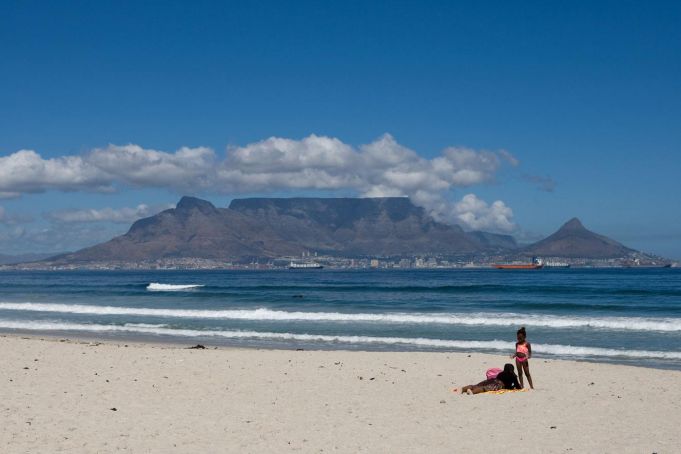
550, 349
262, 314
155, 286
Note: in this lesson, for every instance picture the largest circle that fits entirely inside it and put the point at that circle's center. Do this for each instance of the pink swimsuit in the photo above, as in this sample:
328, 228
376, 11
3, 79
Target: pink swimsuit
522, 348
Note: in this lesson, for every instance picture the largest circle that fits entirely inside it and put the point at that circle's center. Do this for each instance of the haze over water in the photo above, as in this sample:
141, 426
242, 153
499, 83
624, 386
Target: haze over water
621, 315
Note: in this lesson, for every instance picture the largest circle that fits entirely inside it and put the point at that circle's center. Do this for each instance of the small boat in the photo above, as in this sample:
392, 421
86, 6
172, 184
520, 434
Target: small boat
535, 265
305, 266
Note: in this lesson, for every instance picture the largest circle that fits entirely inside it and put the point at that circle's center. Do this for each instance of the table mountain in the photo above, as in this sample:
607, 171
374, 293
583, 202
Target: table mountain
279, 227
352, 226
272, 227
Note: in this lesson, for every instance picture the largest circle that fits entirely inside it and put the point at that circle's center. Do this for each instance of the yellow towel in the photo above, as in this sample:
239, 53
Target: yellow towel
503, 391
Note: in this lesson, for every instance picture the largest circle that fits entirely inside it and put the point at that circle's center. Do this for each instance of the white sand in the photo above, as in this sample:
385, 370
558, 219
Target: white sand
57, 397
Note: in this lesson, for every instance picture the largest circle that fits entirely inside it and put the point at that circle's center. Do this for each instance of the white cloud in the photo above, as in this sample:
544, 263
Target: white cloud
123, 215
478, 215
26, 171
380, 168
383, 166
132, 164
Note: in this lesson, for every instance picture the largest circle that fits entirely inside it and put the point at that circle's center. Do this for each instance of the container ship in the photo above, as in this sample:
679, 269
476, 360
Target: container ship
535, 265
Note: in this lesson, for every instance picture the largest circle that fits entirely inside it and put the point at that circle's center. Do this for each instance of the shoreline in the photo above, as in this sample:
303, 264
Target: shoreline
175, 342
490, 267
60, 395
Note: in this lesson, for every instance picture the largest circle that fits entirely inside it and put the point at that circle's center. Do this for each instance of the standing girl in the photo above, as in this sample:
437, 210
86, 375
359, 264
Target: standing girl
522, 355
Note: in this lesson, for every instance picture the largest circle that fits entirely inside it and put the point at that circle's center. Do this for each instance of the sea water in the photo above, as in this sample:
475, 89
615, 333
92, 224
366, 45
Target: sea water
630, 316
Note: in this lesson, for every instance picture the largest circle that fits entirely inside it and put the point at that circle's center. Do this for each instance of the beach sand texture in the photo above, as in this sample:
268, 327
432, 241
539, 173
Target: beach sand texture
59, 396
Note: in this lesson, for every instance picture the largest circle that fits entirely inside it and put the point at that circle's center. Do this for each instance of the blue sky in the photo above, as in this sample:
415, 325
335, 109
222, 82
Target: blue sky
586, 97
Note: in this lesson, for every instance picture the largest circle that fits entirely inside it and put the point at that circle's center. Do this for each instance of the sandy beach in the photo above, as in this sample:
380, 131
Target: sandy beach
62, 395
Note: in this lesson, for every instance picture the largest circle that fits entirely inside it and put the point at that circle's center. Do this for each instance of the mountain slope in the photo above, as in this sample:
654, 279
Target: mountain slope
493, 240
195, 228
280, 227
573, 240
351, 226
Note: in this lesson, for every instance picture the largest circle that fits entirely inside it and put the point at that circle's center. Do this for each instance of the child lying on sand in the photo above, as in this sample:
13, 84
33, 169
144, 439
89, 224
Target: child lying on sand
505, 380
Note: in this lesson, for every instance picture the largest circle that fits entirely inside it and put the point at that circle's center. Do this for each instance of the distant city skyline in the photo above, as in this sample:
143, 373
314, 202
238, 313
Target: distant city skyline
510, 118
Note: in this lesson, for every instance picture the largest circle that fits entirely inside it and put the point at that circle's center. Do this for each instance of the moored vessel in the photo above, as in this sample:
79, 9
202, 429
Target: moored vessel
552, 264
304, 266
536, 264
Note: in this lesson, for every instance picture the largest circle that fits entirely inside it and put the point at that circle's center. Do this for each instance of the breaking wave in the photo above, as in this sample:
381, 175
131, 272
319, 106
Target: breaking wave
263, 314
494, 345
156, 287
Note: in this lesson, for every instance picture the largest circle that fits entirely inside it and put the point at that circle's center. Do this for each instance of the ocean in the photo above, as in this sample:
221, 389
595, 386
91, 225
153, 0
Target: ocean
630, 316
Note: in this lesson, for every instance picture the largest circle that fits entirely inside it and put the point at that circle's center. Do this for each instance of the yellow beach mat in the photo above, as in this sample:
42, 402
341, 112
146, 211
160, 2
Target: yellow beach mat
504, 391
501, 391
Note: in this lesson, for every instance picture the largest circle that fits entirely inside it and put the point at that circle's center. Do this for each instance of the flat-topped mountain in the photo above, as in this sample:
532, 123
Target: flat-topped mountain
270, 227
278, 227
573, 240
351, 226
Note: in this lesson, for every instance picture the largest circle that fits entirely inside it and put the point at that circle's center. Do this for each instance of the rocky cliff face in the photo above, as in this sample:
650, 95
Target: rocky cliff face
377, 226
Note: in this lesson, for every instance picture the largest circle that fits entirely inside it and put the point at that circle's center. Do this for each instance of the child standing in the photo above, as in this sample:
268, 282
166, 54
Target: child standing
522, 355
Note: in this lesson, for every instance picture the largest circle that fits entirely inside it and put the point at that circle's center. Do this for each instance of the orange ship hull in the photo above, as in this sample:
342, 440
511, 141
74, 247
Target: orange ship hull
520, 266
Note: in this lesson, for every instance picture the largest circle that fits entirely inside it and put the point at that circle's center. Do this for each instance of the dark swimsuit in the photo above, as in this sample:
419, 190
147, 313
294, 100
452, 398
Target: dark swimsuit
509, 380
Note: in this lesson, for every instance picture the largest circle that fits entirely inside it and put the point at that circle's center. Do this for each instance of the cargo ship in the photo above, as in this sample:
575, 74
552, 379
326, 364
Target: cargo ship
535, 265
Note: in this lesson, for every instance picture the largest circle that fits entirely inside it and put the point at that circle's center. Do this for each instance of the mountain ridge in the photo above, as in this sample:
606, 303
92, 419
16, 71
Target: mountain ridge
352, 227
270, 227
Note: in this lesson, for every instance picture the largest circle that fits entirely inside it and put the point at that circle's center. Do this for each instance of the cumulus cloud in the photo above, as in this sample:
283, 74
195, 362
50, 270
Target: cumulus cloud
123, 215
26, 171
376, 168
381, 168
478, 215
132, 164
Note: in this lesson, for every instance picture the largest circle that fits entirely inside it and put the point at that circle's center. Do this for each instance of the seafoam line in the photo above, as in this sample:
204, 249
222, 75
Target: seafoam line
264, 314
549, 349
